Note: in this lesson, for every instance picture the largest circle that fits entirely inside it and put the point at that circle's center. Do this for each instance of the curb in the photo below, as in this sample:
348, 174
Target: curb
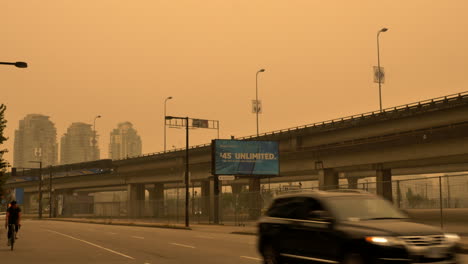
244, 233
116, 223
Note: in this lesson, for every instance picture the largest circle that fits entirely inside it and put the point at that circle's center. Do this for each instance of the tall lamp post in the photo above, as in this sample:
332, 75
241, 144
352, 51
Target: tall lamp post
18, 64
165, 101
40, 187
378, 65
94, 138
256, 96
187, 194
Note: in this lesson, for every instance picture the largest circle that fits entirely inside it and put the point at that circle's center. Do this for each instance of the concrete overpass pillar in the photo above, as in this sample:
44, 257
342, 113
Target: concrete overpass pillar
156, 199
236, 188
135, 200
67, 203
384, 183
27, 202
215, 192
352, 182
255, 201
328, 179
205, 198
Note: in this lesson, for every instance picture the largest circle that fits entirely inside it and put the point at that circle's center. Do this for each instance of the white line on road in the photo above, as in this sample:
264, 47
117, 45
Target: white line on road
138, 237
205, 237
251, 258
92, 244
112, 233
182, 245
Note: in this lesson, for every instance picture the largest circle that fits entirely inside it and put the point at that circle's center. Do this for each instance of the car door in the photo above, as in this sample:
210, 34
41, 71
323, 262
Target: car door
316, 239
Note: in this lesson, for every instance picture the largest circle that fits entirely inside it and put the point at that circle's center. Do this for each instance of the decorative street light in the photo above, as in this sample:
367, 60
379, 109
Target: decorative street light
378, 65
257, 105
165, 101
94, 137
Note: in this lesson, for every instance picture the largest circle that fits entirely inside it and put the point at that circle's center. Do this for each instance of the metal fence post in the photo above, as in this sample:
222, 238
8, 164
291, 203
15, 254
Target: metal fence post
398, 194
441, 205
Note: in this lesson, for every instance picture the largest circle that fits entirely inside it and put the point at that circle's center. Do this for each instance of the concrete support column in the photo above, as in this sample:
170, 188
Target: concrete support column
67, 203
384, 183
27, 202
328, 179
236, 188
215, 192
205, 198
352, 182
135, 200
255, 201
156, 199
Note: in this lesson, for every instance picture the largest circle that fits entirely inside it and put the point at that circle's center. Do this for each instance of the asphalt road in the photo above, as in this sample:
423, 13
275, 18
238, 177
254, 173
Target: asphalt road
66, 242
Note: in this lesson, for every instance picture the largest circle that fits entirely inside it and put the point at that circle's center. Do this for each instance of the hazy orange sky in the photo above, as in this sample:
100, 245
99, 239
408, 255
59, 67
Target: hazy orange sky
121, 59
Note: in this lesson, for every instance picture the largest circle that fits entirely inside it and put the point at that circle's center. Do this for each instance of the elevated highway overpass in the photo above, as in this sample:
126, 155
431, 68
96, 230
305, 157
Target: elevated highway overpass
424, 137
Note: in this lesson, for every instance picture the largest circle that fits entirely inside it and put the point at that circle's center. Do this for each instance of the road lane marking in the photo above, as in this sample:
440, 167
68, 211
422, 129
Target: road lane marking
112, 233
138, 237
205, 237
252, 258
92, 244
182, 245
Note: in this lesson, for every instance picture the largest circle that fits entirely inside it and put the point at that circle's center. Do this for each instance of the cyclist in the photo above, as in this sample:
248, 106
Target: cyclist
13, 217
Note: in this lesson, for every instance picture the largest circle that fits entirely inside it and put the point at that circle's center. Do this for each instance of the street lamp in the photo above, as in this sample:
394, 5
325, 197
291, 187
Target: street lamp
40, 187
94, 137
18, 64
168, 98
378, 66
186, 163
256, 96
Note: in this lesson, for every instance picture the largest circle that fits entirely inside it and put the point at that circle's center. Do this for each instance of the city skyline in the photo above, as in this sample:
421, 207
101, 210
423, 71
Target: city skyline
75, 144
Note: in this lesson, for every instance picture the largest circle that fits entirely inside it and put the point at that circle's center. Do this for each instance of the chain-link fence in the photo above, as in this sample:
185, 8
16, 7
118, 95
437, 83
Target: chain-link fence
244, 207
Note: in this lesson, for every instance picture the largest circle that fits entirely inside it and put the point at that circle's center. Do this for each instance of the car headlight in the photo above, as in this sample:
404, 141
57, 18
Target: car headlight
452, 238
384, 240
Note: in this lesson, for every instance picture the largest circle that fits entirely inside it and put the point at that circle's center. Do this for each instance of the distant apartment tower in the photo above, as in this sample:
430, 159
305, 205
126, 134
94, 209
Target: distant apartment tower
124, 142
35, 140
77, 144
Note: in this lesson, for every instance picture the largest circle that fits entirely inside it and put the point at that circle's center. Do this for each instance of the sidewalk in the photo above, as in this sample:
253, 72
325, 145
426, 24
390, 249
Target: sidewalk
248, 229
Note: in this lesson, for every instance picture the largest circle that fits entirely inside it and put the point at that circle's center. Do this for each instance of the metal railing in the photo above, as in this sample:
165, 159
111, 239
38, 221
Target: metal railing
404, 107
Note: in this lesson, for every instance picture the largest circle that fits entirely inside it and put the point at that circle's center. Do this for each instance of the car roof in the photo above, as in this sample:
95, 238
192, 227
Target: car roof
326, 194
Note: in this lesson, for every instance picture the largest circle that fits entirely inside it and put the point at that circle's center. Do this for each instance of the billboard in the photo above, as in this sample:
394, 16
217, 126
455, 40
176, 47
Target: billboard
238, 157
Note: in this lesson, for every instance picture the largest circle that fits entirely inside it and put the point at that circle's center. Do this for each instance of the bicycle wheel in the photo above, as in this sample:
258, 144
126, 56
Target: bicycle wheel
12, 238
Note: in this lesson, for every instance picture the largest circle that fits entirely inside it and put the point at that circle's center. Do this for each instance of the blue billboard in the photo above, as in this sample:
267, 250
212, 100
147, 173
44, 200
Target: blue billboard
238, 157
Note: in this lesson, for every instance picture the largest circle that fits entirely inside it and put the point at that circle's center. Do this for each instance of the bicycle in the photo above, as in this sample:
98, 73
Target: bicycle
12, 229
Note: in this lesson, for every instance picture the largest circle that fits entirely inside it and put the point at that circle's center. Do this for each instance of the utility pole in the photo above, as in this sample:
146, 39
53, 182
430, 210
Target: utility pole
187, 172
40, 189
50, 191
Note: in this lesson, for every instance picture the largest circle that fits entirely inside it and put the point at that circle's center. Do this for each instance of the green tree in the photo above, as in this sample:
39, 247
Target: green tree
3, 163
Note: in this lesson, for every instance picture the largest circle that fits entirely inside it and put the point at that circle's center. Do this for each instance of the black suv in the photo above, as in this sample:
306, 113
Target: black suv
348, 227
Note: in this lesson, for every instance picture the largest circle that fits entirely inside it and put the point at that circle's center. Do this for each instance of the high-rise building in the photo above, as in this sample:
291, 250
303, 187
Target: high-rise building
35, 140
124, 142
77, 144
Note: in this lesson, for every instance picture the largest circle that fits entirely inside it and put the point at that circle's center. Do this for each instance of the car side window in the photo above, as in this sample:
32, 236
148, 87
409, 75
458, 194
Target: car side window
286, 208
279, 208
312, 209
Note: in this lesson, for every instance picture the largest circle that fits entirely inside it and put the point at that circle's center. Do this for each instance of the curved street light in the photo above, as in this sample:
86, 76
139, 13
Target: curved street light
256, 96
18, 64
165, 101
378, 65
94, 137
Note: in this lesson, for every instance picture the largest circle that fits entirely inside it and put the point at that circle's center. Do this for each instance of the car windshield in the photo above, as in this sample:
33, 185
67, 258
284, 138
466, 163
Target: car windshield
363, 208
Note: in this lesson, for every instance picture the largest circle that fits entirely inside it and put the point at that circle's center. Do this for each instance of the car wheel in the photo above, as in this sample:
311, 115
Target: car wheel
270, 256
353, 258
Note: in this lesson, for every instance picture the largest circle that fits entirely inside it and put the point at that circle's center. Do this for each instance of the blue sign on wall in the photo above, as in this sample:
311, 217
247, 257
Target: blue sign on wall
19, 195
237, 157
